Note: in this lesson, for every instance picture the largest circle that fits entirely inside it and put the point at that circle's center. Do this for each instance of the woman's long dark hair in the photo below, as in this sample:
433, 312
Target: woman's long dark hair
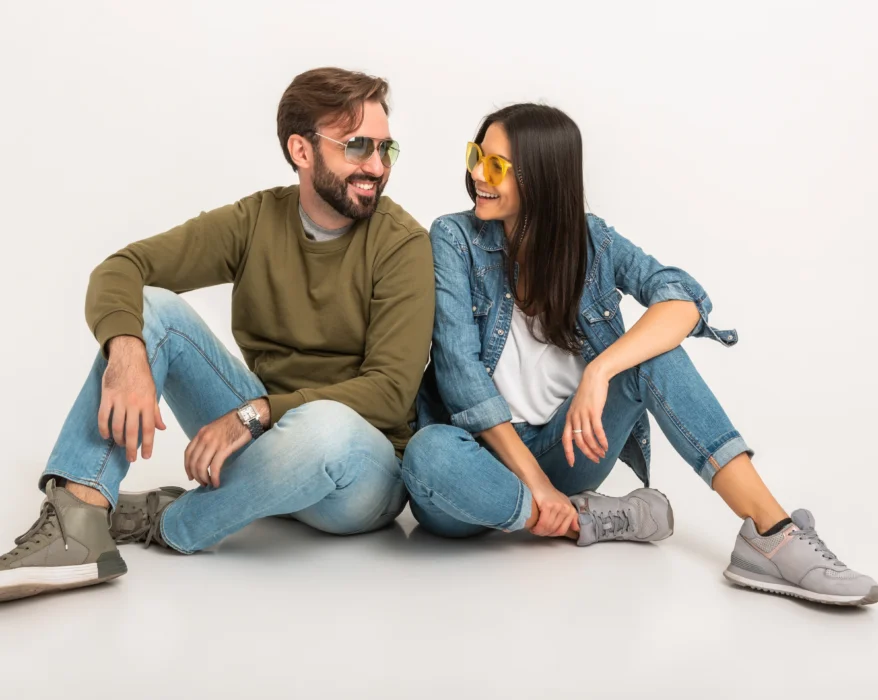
552, 227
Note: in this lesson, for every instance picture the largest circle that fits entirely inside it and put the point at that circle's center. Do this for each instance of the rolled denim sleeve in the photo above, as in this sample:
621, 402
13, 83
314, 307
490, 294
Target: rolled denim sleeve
650, 282
466, 388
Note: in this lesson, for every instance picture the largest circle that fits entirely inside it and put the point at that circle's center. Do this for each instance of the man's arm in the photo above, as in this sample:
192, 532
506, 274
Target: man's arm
205, 251
397, 342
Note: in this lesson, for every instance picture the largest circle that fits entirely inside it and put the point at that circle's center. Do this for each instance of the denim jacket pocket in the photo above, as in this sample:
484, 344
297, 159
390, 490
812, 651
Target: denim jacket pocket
604, 319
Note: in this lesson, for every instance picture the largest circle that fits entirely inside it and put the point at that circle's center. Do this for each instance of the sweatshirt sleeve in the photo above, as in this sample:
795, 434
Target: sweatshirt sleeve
205, 251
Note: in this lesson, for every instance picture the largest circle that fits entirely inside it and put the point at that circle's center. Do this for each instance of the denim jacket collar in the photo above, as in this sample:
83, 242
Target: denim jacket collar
490, 236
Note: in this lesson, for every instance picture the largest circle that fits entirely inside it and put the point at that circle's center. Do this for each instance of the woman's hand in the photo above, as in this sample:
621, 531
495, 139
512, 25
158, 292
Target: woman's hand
584, 425
557, 513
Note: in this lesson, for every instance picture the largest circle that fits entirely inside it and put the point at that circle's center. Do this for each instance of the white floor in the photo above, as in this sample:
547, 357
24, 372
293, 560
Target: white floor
281, 611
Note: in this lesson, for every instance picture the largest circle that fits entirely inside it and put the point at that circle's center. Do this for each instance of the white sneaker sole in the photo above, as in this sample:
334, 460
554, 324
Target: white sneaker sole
28, 581
797, 592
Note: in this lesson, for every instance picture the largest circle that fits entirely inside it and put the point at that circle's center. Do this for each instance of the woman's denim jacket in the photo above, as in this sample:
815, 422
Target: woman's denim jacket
474, 310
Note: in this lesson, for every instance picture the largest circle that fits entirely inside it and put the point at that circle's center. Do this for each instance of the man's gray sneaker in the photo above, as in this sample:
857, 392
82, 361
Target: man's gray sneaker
137, 517
69, 546
796, 562
644, 515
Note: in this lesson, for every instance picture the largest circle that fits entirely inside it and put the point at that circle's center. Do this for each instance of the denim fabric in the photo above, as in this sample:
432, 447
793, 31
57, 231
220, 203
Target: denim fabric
321, 463
474, 311
460, 488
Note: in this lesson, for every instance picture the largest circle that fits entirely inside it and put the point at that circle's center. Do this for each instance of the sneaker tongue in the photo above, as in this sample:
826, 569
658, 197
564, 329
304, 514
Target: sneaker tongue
803, 519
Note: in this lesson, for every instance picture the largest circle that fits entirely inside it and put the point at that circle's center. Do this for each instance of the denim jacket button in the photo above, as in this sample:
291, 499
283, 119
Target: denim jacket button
606, 313
500, 332
644, 441
508, 295
474, 308
488, 370
731, 337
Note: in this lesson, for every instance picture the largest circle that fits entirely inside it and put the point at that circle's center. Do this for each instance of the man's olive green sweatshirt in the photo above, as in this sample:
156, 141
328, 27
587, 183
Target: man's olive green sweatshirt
347, 320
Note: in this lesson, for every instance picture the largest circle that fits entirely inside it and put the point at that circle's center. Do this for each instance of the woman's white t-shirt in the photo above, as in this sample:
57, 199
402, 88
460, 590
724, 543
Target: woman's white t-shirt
535, 378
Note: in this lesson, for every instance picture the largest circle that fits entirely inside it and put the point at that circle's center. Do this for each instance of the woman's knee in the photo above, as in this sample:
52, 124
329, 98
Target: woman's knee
430, 447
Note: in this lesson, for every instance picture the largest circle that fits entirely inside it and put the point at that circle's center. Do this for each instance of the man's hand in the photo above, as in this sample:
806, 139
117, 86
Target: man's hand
128, 394
208, 451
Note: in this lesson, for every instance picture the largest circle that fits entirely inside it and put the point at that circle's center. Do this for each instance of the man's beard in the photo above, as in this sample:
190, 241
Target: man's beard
334, 191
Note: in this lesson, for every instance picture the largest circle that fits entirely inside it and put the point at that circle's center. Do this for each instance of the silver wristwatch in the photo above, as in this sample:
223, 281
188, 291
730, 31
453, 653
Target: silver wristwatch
250, 418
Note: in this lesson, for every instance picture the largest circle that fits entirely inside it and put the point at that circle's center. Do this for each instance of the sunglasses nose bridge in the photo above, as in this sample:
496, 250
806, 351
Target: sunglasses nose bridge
478, 172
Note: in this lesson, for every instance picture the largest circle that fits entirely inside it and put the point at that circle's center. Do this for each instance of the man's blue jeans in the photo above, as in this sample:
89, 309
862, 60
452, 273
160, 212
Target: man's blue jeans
321, 463
459, 488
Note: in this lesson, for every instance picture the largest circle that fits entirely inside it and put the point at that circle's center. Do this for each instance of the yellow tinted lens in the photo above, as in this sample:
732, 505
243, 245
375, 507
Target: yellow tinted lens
473, 153
493, 170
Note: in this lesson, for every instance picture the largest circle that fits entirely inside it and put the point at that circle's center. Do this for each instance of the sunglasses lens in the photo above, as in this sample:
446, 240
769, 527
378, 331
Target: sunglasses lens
473, 153
389, 152
493, 170
359, 149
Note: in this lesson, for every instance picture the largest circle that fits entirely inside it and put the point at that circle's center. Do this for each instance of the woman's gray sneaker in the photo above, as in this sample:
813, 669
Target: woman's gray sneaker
644, 515
796, 562
69, 546
137, 517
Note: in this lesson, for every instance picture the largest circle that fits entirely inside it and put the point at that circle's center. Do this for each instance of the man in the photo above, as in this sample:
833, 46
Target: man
332, 307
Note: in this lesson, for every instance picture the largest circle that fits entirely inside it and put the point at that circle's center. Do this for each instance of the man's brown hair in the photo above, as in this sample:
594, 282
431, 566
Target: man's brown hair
326, 97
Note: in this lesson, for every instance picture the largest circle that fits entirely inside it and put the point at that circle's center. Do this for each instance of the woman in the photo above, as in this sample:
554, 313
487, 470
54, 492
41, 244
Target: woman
535, 389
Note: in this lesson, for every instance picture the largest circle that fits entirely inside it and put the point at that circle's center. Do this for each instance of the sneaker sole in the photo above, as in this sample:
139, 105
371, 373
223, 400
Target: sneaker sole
742, 578
636, 539
28, 581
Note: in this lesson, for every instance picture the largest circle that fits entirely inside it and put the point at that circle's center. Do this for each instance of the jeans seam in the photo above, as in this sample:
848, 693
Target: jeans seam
202, 353
676, 421
470, 515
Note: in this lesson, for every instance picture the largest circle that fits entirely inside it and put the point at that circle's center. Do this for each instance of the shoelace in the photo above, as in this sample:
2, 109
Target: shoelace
148, 529
47, 510
810, 535
612, 523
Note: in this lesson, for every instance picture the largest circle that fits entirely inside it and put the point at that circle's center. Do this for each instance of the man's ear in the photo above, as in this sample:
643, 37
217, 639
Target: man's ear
301, 151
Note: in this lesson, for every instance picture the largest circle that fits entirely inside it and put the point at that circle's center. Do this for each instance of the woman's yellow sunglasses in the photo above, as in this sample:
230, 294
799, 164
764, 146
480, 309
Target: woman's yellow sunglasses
495, 166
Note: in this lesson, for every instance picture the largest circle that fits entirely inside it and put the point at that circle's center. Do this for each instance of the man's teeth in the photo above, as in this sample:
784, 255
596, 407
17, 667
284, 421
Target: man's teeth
364, 185
487, 195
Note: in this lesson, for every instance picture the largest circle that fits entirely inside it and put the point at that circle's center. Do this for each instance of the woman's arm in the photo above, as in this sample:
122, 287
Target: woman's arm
662, 328
556, 514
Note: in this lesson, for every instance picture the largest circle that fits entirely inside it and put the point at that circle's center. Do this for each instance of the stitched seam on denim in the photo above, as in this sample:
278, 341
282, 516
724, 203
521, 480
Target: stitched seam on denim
482, 271
208, 360
454, 242
725, 438
597, 258
674, 419
461, 510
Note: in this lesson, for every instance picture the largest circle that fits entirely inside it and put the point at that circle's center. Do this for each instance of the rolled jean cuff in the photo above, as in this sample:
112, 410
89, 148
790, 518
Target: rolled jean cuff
82, 481
724, 454
523, 508
164, 534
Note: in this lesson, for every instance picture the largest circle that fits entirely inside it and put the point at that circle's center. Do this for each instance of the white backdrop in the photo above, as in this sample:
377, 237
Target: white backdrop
735, 141
739, 145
